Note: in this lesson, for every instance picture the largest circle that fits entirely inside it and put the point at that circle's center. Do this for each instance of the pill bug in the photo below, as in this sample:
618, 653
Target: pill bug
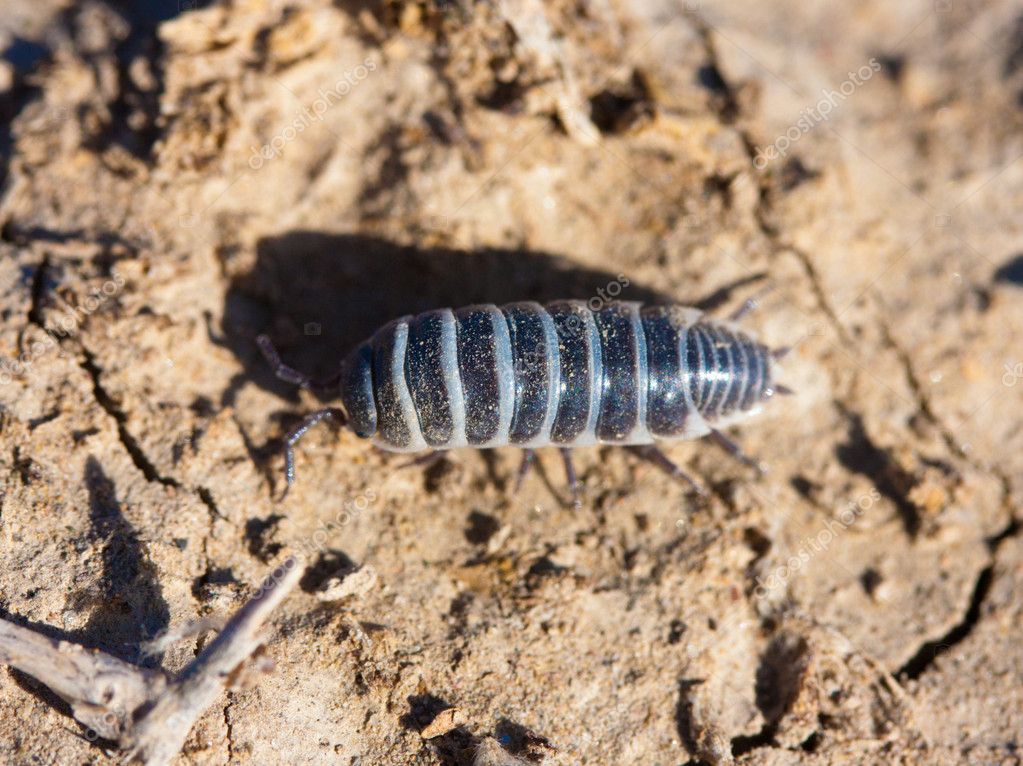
561, 374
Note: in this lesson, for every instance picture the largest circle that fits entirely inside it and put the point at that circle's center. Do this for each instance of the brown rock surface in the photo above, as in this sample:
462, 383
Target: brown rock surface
313, 169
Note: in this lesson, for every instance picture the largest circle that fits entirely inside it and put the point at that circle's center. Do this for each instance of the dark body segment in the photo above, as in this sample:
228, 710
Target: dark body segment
425, 368
623, 389
668, 377
485, 370
580, 373
702, 363
759, 379
397, 422
721, 378
357, 391
536, 365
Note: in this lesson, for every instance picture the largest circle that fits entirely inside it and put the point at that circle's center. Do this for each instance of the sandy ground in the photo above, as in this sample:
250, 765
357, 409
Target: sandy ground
172, 189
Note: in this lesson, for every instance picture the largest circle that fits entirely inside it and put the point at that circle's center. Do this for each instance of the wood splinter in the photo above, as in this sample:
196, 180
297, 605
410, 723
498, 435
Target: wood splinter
149, 713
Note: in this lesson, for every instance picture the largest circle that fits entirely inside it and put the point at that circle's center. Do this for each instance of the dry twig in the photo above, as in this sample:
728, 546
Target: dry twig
146, 711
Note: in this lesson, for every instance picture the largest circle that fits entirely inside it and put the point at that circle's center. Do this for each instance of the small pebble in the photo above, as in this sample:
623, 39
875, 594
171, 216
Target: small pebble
446, 720
355, 583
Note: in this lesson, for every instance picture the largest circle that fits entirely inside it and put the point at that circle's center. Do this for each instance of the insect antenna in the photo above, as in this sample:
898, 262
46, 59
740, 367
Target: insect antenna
750, 304
290, 374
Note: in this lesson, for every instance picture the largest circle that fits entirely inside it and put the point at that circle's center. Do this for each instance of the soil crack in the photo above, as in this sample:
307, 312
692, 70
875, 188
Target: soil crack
923, 401
35, 311
211, 505
929, 652
744, 743
729, 112
137, 454
230, 729
818, 289
105, 401
860, 454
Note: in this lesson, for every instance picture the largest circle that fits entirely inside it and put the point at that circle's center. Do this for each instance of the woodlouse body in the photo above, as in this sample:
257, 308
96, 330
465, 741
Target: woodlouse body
561, 374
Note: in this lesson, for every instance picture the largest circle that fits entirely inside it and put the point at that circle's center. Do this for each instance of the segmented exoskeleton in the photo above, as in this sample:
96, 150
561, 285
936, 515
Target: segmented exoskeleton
532, 376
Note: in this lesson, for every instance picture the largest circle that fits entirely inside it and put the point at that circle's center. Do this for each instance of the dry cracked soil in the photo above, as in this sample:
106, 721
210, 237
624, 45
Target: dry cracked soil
180, 177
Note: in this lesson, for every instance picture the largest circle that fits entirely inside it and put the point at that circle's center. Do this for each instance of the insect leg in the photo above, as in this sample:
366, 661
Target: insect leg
524, 467
570, 475
735, 451
426, 459
290, 374
297, 432
654, 455
750, 304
